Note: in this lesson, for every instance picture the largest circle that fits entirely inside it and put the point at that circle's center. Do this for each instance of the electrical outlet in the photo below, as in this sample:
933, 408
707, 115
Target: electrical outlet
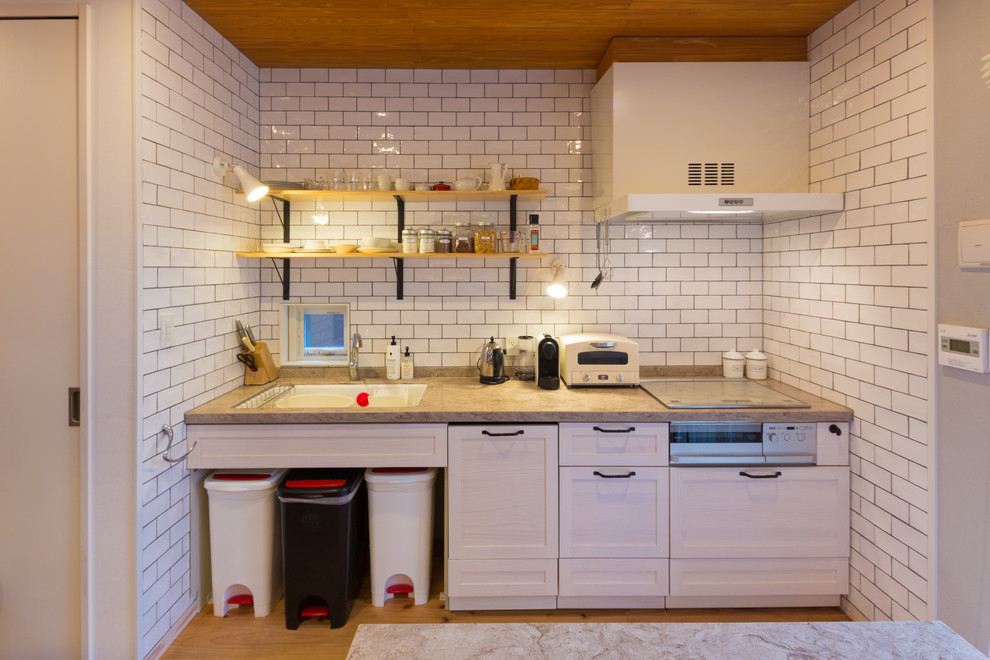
511, 346
166, 327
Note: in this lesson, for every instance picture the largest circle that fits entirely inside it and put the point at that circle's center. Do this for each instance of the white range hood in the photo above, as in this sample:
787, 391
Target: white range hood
704, 142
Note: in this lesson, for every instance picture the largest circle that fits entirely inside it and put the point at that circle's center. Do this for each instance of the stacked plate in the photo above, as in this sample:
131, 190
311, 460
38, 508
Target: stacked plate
285, 185
279, 247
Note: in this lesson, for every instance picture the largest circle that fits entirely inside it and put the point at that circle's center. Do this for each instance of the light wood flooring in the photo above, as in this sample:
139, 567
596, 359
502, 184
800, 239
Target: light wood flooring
240, 635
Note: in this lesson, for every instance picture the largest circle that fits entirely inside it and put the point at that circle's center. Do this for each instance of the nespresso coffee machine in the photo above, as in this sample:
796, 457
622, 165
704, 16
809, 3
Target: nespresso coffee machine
548, 363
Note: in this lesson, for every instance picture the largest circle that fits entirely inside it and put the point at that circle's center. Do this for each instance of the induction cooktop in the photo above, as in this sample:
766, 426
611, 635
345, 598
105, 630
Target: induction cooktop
716, 393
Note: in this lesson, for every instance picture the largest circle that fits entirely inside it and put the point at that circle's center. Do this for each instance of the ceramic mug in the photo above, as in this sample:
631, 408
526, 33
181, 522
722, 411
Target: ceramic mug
402, 184
384, 181
423, 186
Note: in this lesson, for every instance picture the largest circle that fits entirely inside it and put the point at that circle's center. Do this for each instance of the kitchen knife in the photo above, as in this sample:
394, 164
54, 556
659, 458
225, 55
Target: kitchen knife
250, 335
243, 336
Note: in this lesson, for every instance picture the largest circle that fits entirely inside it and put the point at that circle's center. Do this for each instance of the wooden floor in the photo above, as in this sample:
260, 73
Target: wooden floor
240, 635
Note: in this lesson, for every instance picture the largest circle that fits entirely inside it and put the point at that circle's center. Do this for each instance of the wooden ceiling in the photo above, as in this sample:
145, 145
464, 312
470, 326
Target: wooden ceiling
511, 34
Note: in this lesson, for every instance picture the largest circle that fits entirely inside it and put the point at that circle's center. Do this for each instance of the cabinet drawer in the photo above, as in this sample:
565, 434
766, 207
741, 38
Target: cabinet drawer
501, 577
605, 513
336, 445
759, 577
613, 443
722, 513
613, 577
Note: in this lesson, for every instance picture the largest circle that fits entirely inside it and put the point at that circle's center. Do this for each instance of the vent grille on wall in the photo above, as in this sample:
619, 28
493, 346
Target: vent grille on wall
711, 174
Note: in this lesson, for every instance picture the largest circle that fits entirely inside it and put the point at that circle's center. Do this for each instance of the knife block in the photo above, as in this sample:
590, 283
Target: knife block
267, 371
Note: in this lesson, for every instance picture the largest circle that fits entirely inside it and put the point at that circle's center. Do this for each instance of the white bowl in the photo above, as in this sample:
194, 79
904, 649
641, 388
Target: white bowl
345, 248
375, 242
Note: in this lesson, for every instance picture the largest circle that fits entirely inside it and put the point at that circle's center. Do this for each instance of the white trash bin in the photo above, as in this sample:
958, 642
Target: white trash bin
245, 539
400, 511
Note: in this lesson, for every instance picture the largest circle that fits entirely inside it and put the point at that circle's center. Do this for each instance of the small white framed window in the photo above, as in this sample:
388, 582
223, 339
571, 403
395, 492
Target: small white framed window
315, 333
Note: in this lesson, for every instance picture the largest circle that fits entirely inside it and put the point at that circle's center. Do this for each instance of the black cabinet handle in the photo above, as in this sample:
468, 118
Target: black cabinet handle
601, 430
759, 476
502, 435
834, 428
613, 476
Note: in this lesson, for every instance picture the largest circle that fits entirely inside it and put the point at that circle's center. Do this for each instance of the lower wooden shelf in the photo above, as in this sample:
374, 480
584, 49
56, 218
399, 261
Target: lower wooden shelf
393, 255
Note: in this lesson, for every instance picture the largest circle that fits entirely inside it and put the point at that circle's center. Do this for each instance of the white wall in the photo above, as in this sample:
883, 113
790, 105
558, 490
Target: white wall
199, 98
962, 136
848, 295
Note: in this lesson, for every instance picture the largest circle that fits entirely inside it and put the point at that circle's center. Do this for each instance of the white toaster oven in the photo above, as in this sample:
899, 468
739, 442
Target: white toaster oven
594, 359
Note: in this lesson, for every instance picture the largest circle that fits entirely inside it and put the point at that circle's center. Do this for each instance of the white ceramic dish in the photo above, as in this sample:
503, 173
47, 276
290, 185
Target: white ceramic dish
377, 250
279, 247
312, 250
345, 248
376, 242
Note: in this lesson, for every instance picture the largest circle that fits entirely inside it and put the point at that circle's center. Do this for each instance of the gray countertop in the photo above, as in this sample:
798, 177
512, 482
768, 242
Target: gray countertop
464, 399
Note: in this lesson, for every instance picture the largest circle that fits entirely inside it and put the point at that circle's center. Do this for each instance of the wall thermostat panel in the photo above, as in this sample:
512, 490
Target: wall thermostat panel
963, 348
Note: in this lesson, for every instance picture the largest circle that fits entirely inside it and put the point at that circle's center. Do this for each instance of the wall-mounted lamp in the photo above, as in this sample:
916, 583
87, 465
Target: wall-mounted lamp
253, 188
557, 287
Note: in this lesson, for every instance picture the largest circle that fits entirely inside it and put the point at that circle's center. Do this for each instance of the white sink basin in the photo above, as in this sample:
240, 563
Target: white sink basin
347, 396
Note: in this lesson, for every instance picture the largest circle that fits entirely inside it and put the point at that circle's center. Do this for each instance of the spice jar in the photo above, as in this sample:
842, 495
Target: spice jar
427, 238
463, 238
445, 240
485, 239
410, 241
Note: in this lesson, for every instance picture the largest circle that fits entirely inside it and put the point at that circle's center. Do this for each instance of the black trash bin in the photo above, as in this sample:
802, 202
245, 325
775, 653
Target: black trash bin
324, 542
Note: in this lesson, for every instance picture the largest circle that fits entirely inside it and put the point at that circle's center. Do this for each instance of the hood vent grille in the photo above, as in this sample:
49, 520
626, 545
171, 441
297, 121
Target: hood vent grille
711, 174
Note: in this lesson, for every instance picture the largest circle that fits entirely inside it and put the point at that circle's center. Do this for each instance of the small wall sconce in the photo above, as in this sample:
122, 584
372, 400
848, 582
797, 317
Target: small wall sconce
557, 288
253, 188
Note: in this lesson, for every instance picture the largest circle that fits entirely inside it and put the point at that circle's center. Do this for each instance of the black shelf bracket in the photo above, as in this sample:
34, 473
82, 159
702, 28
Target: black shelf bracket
398, 264
513, 260
286, 238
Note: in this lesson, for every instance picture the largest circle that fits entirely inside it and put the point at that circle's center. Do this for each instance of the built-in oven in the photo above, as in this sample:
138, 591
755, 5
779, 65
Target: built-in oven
742, 443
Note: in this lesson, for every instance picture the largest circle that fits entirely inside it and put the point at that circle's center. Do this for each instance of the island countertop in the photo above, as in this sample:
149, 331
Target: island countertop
465, 399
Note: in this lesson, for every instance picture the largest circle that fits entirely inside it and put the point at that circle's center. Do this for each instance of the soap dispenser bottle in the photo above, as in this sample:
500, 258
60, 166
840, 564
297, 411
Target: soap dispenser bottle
392, 360
407, 365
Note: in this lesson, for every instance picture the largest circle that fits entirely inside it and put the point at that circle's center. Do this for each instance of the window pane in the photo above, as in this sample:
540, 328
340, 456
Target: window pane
324, 332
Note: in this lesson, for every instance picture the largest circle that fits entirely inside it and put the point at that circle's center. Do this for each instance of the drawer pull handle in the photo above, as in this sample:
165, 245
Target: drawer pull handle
759, 476
616, 476
502, 435
601, 430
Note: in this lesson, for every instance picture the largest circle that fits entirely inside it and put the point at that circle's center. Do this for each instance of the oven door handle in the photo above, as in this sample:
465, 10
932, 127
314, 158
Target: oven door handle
614, 476
601, 430
759, 476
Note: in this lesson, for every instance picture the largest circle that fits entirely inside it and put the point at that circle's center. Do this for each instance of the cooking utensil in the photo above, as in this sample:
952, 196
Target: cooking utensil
250, 335
242, 334
247, 360
598, 256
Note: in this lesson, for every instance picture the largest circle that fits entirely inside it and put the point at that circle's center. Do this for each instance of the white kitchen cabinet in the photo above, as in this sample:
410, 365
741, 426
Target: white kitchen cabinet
614, 511
758, 536
614, 515
502, 515
722, 513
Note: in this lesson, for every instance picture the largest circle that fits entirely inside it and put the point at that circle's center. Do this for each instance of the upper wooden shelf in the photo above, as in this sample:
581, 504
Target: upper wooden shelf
394, 255
293, 194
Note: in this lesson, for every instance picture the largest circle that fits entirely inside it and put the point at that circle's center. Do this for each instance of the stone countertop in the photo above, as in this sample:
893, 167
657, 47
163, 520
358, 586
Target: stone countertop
464, 399
852, 640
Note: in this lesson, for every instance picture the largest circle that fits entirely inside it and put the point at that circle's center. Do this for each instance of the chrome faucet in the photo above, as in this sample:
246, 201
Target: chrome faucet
352, 362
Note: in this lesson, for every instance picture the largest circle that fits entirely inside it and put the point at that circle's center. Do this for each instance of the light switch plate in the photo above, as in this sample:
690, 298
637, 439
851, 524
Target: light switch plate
166, 328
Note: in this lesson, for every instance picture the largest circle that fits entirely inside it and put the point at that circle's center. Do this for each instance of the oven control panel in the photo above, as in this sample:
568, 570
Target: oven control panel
790, 443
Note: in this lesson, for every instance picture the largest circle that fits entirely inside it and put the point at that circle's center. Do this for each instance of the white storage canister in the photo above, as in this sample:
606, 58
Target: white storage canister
245, 539
756, 365
733, 365
400, 513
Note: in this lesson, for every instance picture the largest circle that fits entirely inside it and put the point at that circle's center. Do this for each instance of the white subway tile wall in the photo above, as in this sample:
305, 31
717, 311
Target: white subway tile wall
199, 98
686, 293
847, 295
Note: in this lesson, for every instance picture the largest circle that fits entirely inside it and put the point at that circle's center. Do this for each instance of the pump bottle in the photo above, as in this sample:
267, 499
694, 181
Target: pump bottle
392, 354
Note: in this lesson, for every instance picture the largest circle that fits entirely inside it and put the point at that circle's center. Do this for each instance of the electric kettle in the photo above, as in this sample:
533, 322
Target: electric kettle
491, 364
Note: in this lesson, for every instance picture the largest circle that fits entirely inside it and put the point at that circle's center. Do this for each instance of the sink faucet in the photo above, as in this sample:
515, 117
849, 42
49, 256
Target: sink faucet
352, 362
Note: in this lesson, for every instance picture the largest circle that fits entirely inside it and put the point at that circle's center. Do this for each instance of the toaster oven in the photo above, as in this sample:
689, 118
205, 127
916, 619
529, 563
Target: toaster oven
595, 359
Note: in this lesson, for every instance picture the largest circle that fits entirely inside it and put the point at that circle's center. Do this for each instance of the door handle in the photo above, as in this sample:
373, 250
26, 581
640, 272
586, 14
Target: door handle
601, 430
759, 476
614, 476
502, 435
75, 406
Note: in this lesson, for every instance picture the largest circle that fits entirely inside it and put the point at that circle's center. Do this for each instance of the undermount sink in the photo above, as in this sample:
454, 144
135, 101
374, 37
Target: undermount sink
337, 396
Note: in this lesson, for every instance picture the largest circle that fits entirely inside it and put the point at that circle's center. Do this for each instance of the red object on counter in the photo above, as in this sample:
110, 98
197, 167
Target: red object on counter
362, 399
441, 186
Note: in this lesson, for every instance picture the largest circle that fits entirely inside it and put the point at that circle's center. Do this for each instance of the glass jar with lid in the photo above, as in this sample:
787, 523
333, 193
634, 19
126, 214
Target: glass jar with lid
410, 241
485, 238
427, 240
463, 238
445, 240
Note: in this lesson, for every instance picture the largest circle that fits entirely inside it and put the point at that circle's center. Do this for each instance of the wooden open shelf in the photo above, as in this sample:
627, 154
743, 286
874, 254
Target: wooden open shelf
293, 194
394, 255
